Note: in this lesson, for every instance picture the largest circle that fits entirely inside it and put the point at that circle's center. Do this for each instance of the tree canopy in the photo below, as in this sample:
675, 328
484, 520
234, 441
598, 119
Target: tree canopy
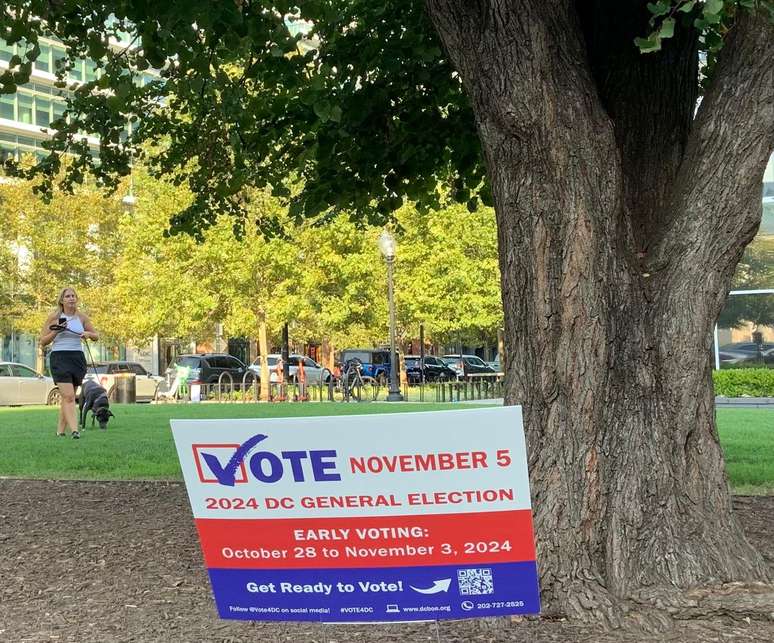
72, 240
251, 96
356, 100
329, 283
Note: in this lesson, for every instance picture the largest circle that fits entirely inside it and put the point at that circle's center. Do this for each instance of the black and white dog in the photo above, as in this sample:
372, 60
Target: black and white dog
94, 398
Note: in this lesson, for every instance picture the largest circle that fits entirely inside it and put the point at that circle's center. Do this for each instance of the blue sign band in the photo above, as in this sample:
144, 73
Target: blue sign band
377, 594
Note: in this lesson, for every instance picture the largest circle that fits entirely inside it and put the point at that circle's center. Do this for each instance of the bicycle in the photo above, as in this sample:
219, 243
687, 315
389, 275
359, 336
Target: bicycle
355, 385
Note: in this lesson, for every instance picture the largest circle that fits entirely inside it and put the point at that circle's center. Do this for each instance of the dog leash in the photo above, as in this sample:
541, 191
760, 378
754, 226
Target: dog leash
61, 327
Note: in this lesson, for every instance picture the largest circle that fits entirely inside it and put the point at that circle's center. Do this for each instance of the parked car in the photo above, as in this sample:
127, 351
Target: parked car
495, 364
20, 384
145, 383
434, 369
746, 354
375, 362
206, 368
313, 371
467, 365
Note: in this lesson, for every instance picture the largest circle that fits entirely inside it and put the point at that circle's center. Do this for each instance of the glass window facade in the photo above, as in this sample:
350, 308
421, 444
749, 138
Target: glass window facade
24, 108
6, 51
58, 110
31, 107
18, 347
8, 106
43, 62
7, 151
42, 111
76, 73
17, 146
91, 71
745, 330
57, 57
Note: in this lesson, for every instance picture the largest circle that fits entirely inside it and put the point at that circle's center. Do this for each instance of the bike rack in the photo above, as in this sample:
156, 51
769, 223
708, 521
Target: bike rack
330, 384
256, 383
220, 381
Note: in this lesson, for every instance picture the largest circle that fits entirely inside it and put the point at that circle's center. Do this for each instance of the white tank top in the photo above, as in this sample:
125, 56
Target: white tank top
64, 341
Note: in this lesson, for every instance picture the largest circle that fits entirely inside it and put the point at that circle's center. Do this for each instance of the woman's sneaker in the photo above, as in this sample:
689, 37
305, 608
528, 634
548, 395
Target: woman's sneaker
76, 435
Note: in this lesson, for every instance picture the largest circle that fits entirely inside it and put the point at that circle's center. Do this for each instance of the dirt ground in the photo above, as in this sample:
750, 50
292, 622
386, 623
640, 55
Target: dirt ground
118, 561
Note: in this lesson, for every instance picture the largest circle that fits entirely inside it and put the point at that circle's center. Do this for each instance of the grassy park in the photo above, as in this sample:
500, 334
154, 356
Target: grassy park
138, 444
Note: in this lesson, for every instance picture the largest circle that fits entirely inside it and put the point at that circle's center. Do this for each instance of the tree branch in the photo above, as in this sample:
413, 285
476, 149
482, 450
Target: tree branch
717, 193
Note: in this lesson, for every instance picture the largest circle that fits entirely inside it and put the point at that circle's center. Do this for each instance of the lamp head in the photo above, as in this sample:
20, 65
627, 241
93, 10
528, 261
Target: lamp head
387, 245
129, 201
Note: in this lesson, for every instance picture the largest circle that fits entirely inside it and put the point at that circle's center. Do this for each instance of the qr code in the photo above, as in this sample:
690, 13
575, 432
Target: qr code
475, 581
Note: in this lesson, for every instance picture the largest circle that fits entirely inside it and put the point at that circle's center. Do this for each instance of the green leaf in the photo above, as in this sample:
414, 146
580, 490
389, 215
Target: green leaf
687, 6
323, 110
33, 53
96, 47
659, 8
485, 195
713, 7
667, 28
648, 45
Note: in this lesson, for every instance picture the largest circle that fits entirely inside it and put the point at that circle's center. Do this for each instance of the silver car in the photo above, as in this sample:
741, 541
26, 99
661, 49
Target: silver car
20, 384
145, 383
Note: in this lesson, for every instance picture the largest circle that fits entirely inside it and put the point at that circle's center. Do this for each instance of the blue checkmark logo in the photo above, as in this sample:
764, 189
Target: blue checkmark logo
226, 475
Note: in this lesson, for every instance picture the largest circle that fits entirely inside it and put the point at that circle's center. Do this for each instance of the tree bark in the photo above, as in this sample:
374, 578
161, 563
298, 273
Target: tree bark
619, 227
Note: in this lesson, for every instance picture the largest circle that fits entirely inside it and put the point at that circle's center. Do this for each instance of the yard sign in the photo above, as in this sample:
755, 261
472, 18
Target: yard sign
390, 517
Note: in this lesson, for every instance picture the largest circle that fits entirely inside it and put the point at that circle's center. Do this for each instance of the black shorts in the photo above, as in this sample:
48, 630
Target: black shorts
68, 367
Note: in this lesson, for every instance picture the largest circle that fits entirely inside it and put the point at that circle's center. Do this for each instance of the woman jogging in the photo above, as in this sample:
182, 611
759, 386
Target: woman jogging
68, 363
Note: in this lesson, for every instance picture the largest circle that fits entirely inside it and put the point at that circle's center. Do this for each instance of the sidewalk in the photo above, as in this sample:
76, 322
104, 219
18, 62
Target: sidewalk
745, 402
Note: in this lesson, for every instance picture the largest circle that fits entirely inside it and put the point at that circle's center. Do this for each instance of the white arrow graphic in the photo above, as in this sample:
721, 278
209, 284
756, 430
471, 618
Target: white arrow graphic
438, 586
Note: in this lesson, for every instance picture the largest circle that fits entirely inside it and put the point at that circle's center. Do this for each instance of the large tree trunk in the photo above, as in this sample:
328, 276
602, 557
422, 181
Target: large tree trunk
621, 219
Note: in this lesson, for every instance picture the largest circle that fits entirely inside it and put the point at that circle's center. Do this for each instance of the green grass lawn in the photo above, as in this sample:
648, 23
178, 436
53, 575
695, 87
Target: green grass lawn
138, 444
747, 437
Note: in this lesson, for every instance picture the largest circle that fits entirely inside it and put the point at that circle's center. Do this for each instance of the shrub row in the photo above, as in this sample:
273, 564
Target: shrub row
744, 382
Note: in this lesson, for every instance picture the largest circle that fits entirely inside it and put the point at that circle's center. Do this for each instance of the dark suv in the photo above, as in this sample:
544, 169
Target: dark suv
207, 367
375, 361
434, 368
467, 365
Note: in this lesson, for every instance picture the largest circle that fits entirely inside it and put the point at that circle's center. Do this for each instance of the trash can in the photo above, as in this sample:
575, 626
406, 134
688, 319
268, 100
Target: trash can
125, 388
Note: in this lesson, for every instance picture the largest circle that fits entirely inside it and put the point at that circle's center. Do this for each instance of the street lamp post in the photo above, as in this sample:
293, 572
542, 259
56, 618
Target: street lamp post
129, 201
387, 248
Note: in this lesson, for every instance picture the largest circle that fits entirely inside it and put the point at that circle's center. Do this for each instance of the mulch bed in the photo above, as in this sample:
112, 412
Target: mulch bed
120, 561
